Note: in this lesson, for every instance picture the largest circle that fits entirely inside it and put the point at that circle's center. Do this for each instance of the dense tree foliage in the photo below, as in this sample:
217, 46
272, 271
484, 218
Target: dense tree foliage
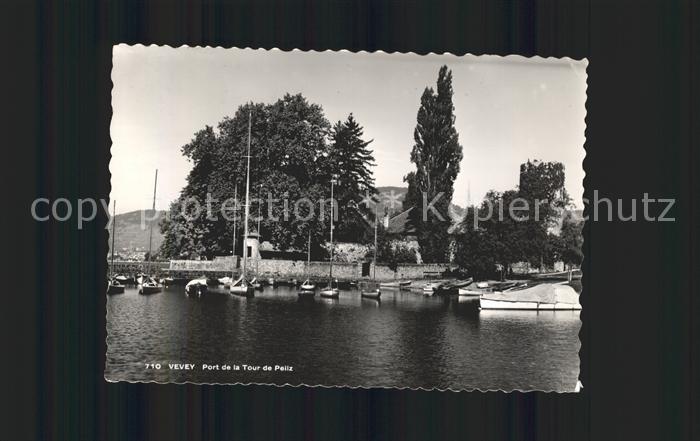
569, 244
515, 226
437, 155
542, 187
294, 151
350, 160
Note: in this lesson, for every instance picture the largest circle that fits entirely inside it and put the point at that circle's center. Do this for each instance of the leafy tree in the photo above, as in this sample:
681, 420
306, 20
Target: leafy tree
189, 229
542, 187
293, 154
505, 237
571, 240
150, 258
476, 252
496, 241
437, 155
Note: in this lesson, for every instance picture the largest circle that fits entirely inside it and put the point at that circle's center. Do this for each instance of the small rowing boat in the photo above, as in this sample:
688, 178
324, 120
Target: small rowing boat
400, 284
471, 291
374, 295
429, 289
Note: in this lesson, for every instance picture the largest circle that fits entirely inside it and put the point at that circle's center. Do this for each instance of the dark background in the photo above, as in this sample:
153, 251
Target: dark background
640, 317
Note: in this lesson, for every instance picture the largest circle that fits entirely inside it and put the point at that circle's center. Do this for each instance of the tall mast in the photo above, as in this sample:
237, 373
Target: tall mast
330, 274
247, 195
376, 221
308, 256
235, 214
114, 221
150, 233
258, 230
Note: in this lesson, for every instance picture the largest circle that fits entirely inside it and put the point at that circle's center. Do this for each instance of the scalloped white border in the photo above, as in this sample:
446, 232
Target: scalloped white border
579, 384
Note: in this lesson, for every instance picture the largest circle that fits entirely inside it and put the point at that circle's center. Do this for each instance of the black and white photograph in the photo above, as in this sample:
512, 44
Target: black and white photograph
345, 219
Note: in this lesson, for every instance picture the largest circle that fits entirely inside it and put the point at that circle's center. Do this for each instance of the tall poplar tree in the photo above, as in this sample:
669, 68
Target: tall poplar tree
437, 155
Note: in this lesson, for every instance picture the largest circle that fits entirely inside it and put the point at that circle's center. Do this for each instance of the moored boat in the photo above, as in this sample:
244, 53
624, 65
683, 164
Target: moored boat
256, 284
373, 294
196, 287
471, 291
225, 281
453, 287
308, 285
149, 286
543, 297
430, 289
308, 288
114, 284
572, 274
306, 292
330, 293
114, 287
124, 280
242, 287
167, 281
399, 284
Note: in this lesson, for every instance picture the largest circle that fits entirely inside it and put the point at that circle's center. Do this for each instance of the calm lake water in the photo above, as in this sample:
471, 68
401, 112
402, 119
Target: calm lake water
406, 340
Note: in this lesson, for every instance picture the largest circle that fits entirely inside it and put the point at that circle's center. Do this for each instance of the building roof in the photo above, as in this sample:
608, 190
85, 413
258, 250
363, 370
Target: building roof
400, 224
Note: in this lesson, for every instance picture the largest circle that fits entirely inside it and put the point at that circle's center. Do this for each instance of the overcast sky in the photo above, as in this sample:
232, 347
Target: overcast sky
508, 110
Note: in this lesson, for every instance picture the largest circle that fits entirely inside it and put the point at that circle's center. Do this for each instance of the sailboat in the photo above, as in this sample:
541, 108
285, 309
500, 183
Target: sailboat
242, 286
375, 292
147, 284
113, 285
330, 291
255, 282
308, 288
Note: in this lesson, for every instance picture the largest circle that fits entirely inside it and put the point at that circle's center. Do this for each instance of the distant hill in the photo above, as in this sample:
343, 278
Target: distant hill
392, 199
131, 236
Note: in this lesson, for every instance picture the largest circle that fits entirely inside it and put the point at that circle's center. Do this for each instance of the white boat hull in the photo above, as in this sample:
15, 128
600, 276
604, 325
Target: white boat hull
306, 293
375, 295
532, 306
469, 292
240, 290
149, 289
330, 293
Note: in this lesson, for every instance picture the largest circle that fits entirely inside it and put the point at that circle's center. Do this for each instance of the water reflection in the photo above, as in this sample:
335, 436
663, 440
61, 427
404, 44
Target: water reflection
403, 340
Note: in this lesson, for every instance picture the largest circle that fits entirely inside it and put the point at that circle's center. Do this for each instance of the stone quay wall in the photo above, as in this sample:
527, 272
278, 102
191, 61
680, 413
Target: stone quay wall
298, 269
132, 267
